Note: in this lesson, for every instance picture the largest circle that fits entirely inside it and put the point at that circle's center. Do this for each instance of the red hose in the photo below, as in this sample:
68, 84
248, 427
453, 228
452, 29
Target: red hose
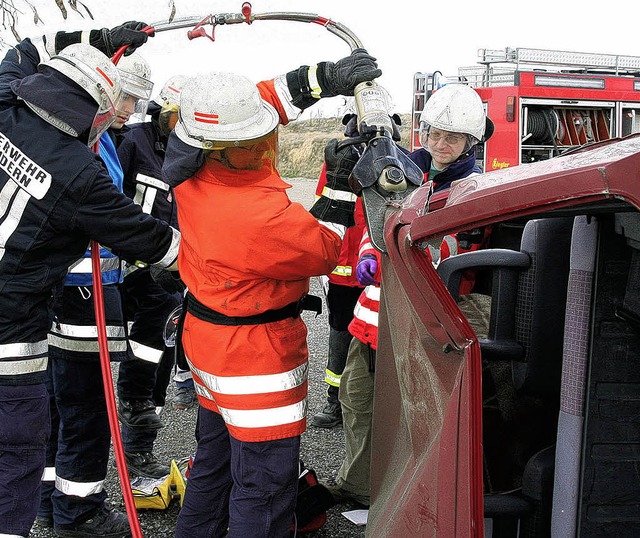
109, 395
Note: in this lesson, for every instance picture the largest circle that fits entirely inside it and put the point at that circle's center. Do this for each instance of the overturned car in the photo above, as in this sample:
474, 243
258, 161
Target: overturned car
514, 410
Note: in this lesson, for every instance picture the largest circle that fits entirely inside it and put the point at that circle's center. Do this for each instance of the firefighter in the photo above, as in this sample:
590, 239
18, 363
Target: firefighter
342, 292
451, 125
143, 377
78, 450
247, 258
57, 195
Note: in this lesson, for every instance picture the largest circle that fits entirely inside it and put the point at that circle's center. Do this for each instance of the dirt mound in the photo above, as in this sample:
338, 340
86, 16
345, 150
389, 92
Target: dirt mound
302, 143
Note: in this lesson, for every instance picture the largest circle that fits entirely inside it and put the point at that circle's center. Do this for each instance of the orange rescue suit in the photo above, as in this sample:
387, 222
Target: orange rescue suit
245, 249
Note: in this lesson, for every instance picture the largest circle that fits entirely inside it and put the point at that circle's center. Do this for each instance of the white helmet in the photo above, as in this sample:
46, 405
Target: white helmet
223, 109
456, 108
169, 95
97, 75
135, 75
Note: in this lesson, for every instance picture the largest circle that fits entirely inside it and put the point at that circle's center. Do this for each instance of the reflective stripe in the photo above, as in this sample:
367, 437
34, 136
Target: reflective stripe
332, 378
23, 350
49, 474
145, 196
85, 346
202, 391
11, 536
283, 93
343, 270
344, 196
84, 266
153, 182
264, 418
314, 85
337, 228
24, 366
373, 293
172, 253
16, 206
253, 384
86, 331
365, 314
146, 353
452, 243
79, 489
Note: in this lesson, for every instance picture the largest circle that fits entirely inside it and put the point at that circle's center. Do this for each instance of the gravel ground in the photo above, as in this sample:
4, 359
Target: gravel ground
322, 450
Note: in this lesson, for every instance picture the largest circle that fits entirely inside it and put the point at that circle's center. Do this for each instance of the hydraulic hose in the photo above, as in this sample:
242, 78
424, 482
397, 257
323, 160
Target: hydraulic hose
109, 394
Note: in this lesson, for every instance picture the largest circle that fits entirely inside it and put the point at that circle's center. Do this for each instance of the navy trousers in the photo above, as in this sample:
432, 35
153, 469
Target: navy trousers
24, 431
249, 488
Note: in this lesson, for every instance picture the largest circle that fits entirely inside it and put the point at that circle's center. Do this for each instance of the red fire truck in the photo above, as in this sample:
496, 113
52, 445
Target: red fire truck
544, 102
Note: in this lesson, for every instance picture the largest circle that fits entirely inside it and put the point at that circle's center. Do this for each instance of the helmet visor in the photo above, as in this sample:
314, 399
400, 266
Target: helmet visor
106, 114
257, 154
140, 89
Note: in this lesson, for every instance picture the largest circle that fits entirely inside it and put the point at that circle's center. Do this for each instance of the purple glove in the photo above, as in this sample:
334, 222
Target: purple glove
366, 270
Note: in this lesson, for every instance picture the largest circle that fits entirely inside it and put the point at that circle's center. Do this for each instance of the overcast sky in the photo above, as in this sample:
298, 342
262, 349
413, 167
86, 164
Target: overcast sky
405, 35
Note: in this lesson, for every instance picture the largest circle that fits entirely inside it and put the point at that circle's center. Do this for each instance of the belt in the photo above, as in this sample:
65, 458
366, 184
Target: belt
292, 310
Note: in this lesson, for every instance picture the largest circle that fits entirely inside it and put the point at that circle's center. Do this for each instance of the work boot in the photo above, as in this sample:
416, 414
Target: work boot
185, 398
145, 464
106, 523
44, 522
329, 417
139, 414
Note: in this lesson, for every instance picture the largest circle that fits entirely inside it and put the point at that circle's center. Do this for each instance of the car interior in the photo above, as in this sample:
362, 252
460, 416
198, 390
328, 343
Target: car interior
561, 371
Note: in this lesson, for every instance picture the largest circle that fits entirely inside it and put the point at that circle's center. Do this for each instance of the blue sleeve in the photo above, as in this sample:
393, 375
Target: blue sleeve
107, 150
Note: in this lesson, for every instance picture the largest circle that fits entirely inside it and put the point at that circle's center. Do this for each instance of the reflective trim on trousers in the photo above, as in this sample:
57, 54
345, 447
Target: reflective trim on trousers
145, 353
86, 331
332, 378
257, 418
85, 346
253, 384
79, 489
264, 418
49, 474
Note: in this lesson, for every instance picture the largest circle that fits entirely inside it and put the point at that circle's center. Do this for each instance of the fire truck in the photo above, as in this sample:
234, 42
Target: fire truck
543, 102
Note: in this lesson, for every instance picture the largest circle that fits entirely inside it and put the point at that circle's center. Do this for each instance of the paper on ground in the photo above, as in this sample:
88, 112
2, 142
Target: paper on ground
359, 517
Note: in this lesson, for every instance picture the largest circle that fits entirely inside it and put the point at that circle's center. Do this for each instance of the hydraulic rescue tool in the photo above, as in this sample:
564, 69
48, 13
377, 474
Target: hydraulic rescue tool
384, 172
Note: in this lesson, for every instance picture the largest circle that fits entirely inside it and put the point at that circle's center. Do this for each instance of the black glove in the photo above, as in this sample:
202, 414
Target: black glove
337, 202
107, 41
169, 281
342, 77
333, 79
110, 41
